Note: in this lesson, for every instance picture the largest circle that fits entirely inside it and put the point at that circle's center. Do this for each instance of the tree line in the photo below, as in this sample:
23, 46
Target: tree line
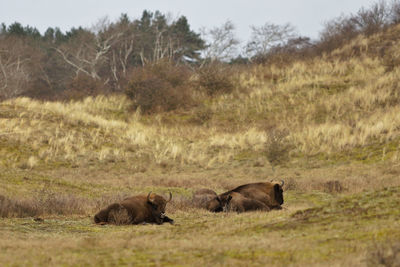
82, 60
104, 58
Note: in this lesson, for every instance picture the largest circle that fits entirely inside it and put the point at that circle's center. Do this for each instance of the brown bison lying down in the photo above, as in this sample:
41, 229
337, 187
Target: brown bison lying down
254, 196
136, 210
237, 202
202, 196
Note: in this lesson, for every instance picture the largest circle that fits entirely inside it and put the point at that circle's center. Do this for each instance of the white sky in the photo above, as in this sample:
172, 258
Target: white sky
307, 15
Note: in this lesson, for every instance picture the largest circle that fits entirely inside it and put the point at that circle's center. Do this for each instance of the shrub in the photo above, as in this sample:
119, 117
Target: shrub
215, 79
160, 87
333, 186
82, 86
17, 208
44, 203
366, 21
277, 147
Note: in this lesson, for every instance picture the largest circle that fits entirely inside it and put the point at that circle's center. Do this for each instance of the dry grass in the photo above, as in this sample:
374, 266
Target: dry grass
329, 127
42, 205
384, 255
54, 132
327, 108
327, 234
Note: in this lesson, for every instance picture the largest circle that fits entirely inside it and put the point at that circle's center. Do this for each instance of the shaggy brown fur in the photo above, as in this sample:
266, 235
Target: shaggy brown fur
202, 196
239, 203
269, 193
135, 210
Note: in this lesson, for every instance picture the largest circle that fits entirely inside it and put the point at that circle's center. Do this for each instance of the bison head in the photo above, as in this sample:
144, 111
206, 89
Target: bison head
278, 192
215, 204
202, 196
219, 203
158, 204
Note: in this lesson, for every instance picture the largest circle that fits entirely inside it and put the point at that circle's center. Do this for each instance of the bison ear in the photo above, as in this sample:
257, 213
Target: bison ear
229, 198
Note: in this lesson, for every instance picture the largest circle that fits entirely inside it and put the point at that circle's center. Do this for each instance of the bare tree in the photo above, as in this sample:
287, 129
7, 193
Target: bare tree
163, 45
265, 37
221, 42
18, 67
86, 52
372, 19
13, 74
120, 51
395, 12
366, 21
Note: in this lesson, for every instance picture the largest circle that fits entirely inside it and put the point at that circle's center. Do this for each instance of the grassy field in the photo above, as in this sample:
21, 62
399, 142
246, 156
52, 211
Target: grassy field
330, 127
317, 226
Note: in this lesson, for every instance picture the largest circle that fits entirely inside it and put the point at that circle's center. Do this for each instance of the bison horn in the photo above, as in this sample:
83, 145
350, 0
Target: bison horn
170, 197
282, 182
148, 197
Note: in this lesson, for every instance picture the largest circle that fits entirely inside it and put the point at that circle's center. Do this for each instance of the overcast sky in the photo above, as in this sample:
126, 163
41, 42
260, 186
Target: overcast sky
307, 15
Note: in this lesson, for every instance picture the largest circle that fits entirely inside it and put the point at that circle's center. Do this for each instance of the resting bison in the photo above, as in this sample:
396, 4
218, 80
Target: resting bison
136, 210
202, 196
239, 203
268, 193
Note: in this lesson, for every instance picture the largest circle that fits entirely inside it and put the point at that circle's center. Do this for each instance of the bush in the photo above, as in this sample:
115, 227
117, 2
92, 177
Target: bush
282, 55
44, 203
160, 87
277, 147
15, 208
215, 79
83, 86
333, 186
366, 21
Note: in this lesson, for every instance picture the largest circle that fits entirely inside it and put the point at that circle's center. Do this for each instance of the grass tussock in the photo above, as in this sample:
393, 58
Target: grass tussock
43, 205
385, 255
47, 203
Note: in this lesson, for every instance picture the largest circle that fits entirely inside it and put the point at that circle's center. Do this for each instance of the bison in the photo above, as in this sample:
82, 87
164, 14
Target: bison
136, 210
202, 196
268, 193
239, 203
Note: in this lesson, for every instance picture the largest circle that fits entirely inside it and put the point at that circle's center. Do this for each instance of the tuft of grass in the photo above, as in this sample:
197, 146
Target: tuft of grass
387, 254
42, 205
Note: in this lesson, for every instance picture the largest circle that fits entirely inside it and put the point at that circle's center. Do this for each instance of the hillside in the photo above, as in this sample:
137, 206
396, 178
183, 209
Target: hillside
328, 126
